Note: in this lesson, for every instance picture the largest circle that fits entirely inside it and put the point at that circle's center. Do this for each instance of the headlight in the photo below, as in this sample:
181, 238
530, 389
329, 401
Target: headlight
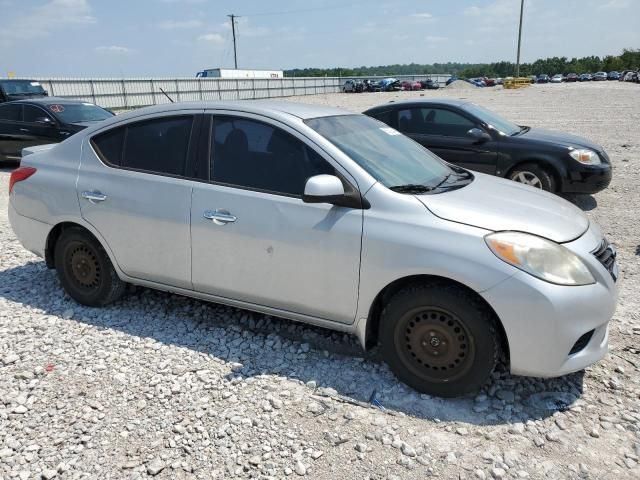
544, 259
585, 156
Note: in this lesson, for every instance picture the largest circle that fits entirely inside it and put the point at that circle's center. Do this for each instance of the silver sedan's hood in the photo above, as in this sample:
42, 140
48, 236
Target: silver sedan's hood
498, 204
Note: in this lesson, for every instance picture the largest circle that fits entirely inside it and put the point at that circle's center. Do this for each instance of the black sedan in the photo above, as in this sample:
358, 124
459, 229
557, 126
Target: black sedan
472, 137
38, 121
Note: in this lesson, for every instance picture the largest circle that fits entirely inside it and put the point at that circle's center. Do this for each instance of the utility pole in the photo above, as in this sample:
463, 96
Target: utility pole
233, 31
519, 39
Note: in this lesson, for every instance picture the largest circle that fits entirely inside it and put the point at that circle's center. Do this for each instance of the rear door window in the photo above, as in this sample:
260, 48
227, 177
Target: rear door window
157, 146
12, 113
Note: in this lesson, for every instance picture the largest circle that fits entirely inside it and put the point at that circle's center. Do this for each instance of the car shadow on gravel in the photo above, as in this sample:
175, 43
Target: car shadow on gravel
585, 202
272, 346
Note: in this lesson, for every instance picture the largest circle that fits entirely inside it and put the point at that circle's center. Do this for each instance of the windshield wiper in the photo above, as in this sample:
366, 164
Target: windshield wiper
446, 177
521, 131
411, 188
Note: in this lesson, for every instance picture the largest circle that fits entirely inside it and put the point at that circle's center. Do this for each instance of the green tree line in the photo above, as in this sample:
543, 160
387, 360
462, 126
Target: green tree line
629, 59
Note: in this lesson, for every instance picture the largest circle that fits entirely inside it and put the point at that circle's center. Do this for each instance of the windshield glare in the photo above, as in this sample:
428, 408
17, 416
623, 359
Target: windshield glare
386, 154
496, 122
84, 112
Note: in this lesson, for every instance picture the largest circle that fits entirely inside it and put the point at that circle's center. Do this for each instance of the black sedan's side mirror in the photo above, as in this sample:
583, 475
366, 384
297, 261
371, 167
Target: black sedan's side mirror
479, 135
45, 121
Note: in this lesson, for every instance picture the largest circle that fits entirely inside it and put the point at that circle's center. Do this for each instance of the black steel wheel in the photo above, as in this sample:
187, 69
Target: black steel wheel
439, 338
85, 270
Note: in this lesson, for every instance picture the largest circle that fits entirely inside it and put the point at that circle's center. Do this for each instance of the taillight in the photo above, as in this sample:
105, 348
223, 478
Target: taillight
20, 174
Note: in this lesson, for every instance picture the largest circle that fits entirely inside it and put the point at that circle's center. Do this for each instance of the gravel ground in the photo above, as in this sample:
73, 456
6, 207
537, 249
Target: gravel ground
160, 385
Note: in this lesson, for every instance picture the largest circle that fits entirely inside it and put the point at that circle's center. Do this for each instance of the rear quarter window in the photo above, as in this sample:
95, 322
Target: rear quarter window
109, 145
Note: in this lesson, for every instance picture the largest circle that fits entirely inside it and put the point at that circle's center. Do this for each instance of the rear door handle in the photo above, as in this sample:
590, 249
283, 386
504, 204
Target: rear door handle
94, 197
25, 130
219, 216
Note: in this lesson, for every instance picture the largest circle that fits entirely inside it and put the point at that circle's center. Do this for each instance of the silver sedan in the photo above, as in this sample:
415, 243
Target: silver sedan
327, 217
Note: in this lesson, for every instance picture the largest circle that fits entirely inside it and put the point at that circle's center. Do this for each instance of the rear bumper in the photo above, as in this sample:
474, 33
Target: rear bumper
587, 179
31, 233
544, 322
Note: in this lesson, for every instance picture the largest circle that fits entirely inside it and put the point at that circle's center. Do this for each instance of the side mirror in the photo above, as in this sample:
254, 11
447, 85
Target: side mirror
45, 121
330, 189
479, 135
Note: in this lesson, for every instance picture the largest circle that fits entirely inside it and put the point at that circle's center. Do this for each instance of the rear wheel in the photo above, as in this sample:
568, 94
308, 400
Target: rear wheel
439, 339
84, 269
533, 175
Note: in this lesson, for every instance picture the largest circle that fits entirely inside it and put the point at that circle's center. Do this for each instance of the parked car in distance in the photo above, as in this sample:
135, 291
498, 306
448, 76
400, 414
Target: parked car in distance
572, 77
585, 77
236, 202
38, 121
429, 84
411, 85
613, 75
390, 85
13, 89
353, 86
543, 78
450, 80
371, 86
599, 76
473, 137
500, 81
557, 78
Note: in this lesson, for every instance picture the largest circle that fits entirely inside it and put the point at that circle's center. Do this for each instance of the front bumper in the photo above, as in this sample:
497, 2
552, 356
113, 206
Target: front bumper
587, 179
544, 322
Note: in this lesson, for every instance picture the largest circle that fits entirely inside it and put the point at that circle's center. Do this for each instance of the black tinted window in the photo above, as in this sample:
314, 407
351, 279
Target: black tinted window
256, 155
32, 114
109, 145
11, 112
158, 145
433, 121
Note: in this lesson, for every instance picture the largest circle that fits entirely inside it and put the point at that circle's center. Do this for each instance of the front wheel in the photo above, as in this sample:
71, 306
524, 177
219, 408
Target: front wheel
85, 270
533, 175
439, 339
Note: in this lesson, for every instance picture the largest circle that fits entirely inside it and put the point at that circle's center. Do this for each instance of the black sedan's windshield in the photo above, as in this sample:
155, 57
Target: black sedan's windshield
79, 112
496, 122
387, 155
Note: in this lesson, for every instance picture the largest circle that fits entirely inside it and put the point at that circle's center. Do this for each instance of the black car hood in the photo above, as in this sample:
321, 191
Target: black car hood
559, 138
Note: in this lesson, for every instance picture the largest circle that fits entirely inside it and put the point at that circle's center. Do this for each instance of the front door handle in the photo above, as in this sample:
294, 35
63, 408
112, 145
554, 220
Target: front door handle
25, 130
219, 216
94, 197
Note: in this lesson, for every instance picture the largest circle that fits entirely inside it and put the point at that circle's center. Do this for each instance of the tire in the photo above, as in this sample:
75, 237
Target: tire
533, 175
85, 270
464, 348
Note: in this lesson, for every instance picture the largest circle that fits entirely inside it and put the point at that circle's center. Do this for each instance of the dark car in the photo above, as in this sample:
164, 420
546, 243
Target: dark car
585, 77
599, 76
572, 77
11, 89
543, 78
371, 86
38, 121
613, 75
472, 137
429, 84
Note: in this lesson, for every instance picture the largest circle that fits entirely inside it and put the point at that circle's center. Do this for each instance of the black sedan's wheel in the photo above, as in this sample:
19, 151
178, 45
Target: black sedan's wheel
439, 339
533, 175
84, 269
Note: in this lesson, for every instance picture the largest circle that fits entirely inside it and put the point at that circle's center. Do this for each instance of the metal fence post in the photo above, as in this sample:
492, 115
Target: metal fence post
177, 90
124, 94
219, 92
200, 88
153, 92
93, 92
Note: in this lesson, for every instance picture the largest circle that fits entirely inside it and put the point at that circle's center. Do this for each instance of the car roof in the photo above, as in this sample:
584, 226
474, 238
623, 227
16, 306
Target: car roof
452, 102
260, 107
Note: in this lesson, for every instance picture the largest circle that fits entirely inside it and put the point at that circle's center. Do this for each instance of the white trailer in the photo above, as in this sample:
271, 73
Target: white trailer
233, 73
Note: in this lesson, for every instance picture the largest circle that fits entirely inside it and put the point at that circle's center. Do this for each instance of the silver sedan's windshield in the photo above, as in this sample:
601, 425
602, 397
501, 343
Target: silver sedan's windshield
387, 155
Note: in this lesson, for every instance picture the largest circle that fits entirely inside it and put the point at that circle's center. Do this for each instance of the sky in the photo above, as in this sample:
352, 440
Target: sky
136, 38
